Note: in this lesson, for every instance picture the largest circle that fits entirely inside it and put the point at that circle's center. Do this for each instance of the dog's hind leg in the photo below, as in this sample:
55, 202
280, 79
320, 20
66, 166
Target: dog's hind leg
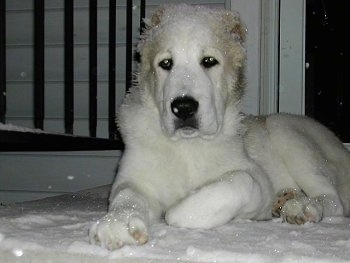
311, 168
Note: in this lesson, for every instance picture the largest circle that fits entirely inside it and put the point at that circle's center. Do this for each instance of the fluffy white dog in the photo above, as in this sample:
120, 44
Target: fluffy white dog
192, 158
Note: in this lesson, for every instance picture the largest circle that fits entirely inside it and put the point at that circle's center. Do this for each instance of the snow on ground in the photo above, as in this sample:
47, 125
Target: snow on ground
11, 127
56, 230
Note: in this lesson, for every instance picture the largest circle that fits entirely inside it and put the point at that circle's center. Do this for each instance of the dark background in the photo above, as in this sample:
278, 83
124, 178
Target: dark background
327, 87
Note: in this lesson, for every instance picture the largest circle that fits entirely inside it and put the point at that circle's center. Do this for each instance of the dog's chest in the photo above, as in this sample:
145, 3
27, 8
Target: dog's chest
201, 165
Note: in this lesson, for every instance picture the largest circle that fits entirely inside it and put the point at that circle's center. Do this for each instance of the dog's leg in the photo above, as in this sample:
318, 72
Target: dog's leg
236, 194
296, 208
125, 223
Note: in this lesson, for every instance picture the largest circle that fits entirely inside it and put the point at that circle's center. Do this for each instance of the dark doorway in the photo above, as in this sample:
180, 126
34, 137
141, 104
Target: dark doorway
327, 86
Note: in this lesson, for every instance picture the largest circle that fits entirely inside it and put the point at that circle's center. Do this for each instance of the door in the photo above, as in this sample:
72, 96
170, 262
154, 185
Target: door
312, 63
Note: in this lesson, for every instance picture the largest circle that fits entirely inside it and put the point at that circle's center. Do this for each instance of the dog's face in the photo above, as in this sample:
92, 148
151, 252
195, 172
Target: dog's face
192, 69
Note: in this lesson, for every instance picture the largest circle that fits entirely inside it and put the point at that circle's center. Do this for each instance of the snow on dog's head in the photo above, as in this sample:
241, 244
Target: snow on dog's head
192, 63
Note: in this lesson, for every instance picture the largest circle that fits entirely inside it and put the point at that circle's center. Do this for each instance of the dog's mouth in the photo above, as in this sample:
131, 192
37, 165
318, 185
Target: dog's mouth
187, 132
191, 123
187, 128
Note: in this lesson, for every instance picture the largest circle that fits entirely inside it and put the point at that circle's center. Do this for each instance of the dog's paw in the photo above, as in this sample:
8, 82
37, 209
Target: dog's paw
301, 210
114, 231
282, 197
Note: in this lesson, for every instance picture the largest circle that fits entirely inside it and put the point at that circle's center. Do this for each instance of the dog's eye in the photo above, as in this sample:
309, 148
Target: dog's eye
166, 64
209, 62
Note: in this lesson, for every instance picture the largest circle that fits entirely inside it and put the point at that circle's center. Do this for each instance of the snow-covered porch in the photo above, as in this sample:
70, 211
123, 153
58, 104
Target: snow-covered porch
55, 229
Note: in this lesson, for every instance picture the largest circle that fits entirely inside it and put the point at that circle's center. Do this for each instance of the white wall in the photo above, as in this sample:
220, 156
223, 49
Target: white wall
28, 176
250, 11
292, 57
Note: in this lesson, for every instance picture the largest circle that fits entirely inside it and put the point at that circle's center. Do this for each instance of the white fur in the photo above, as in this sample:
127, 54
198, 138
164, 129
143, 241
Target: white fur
230, 166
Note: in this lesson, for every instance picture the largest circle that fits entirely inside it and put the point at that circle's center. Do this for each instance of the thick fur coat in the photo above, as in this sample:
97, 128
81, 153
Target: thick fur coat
193, 159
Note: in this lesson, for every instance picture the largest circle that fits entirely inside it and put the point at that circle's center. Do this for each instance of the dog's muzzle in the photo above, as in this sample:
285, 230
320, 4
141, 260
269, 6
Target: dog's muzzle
185, 109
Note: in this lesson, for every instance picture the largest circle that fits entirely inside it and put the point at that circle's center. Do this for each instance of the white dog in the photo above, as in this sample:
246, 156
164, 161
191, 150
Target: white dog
192, 158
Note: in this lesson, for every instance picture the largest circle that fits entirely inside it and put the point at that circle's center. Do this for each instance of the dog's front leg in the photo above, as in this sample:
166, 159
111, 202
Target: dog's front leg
236, 194
125, 223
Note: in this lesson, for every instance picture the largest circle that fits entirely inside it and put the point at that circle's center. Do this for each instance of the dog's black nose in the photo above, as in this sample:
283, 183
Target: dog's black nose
184, 107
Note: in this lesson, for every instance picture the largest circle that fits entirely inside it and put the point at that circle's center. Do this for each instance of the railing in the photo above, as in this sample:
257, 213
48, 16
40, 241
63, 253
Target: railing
16, 140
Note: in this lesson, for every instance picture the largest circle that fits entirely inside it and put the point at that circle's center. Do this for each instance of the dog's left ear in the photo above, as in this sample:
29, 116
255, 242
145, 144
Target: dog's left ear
234, 26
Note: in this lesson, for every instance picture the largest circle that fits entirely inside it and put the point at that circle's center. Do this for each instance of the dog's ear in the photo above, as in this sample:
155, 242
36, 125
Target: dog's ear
148, 24
157, 16
234, 26
155, 19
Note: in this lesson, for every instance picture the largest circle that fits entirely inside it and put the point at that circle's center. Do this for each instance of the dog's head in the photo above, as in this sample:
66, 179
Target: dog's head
192, 63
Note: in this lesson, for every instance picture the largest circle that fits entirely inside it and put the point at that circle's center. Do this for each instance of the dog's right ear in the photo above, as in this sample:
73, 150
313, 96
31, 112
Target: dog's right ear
157, 16
155, 19
148, 23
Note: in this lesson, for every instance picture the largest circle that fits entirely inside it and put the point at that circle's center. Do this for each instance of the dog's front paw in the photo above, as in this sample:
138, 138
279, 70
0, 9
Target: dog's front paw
114, 231
301, 210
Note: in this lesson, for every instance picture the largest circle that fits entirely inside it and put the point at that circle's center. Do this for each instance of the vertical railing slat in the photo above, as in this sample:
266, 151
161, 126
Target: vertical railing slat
93, 67
2, 61
129, 56
142, 15
112, 69
68, 66
39, 64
